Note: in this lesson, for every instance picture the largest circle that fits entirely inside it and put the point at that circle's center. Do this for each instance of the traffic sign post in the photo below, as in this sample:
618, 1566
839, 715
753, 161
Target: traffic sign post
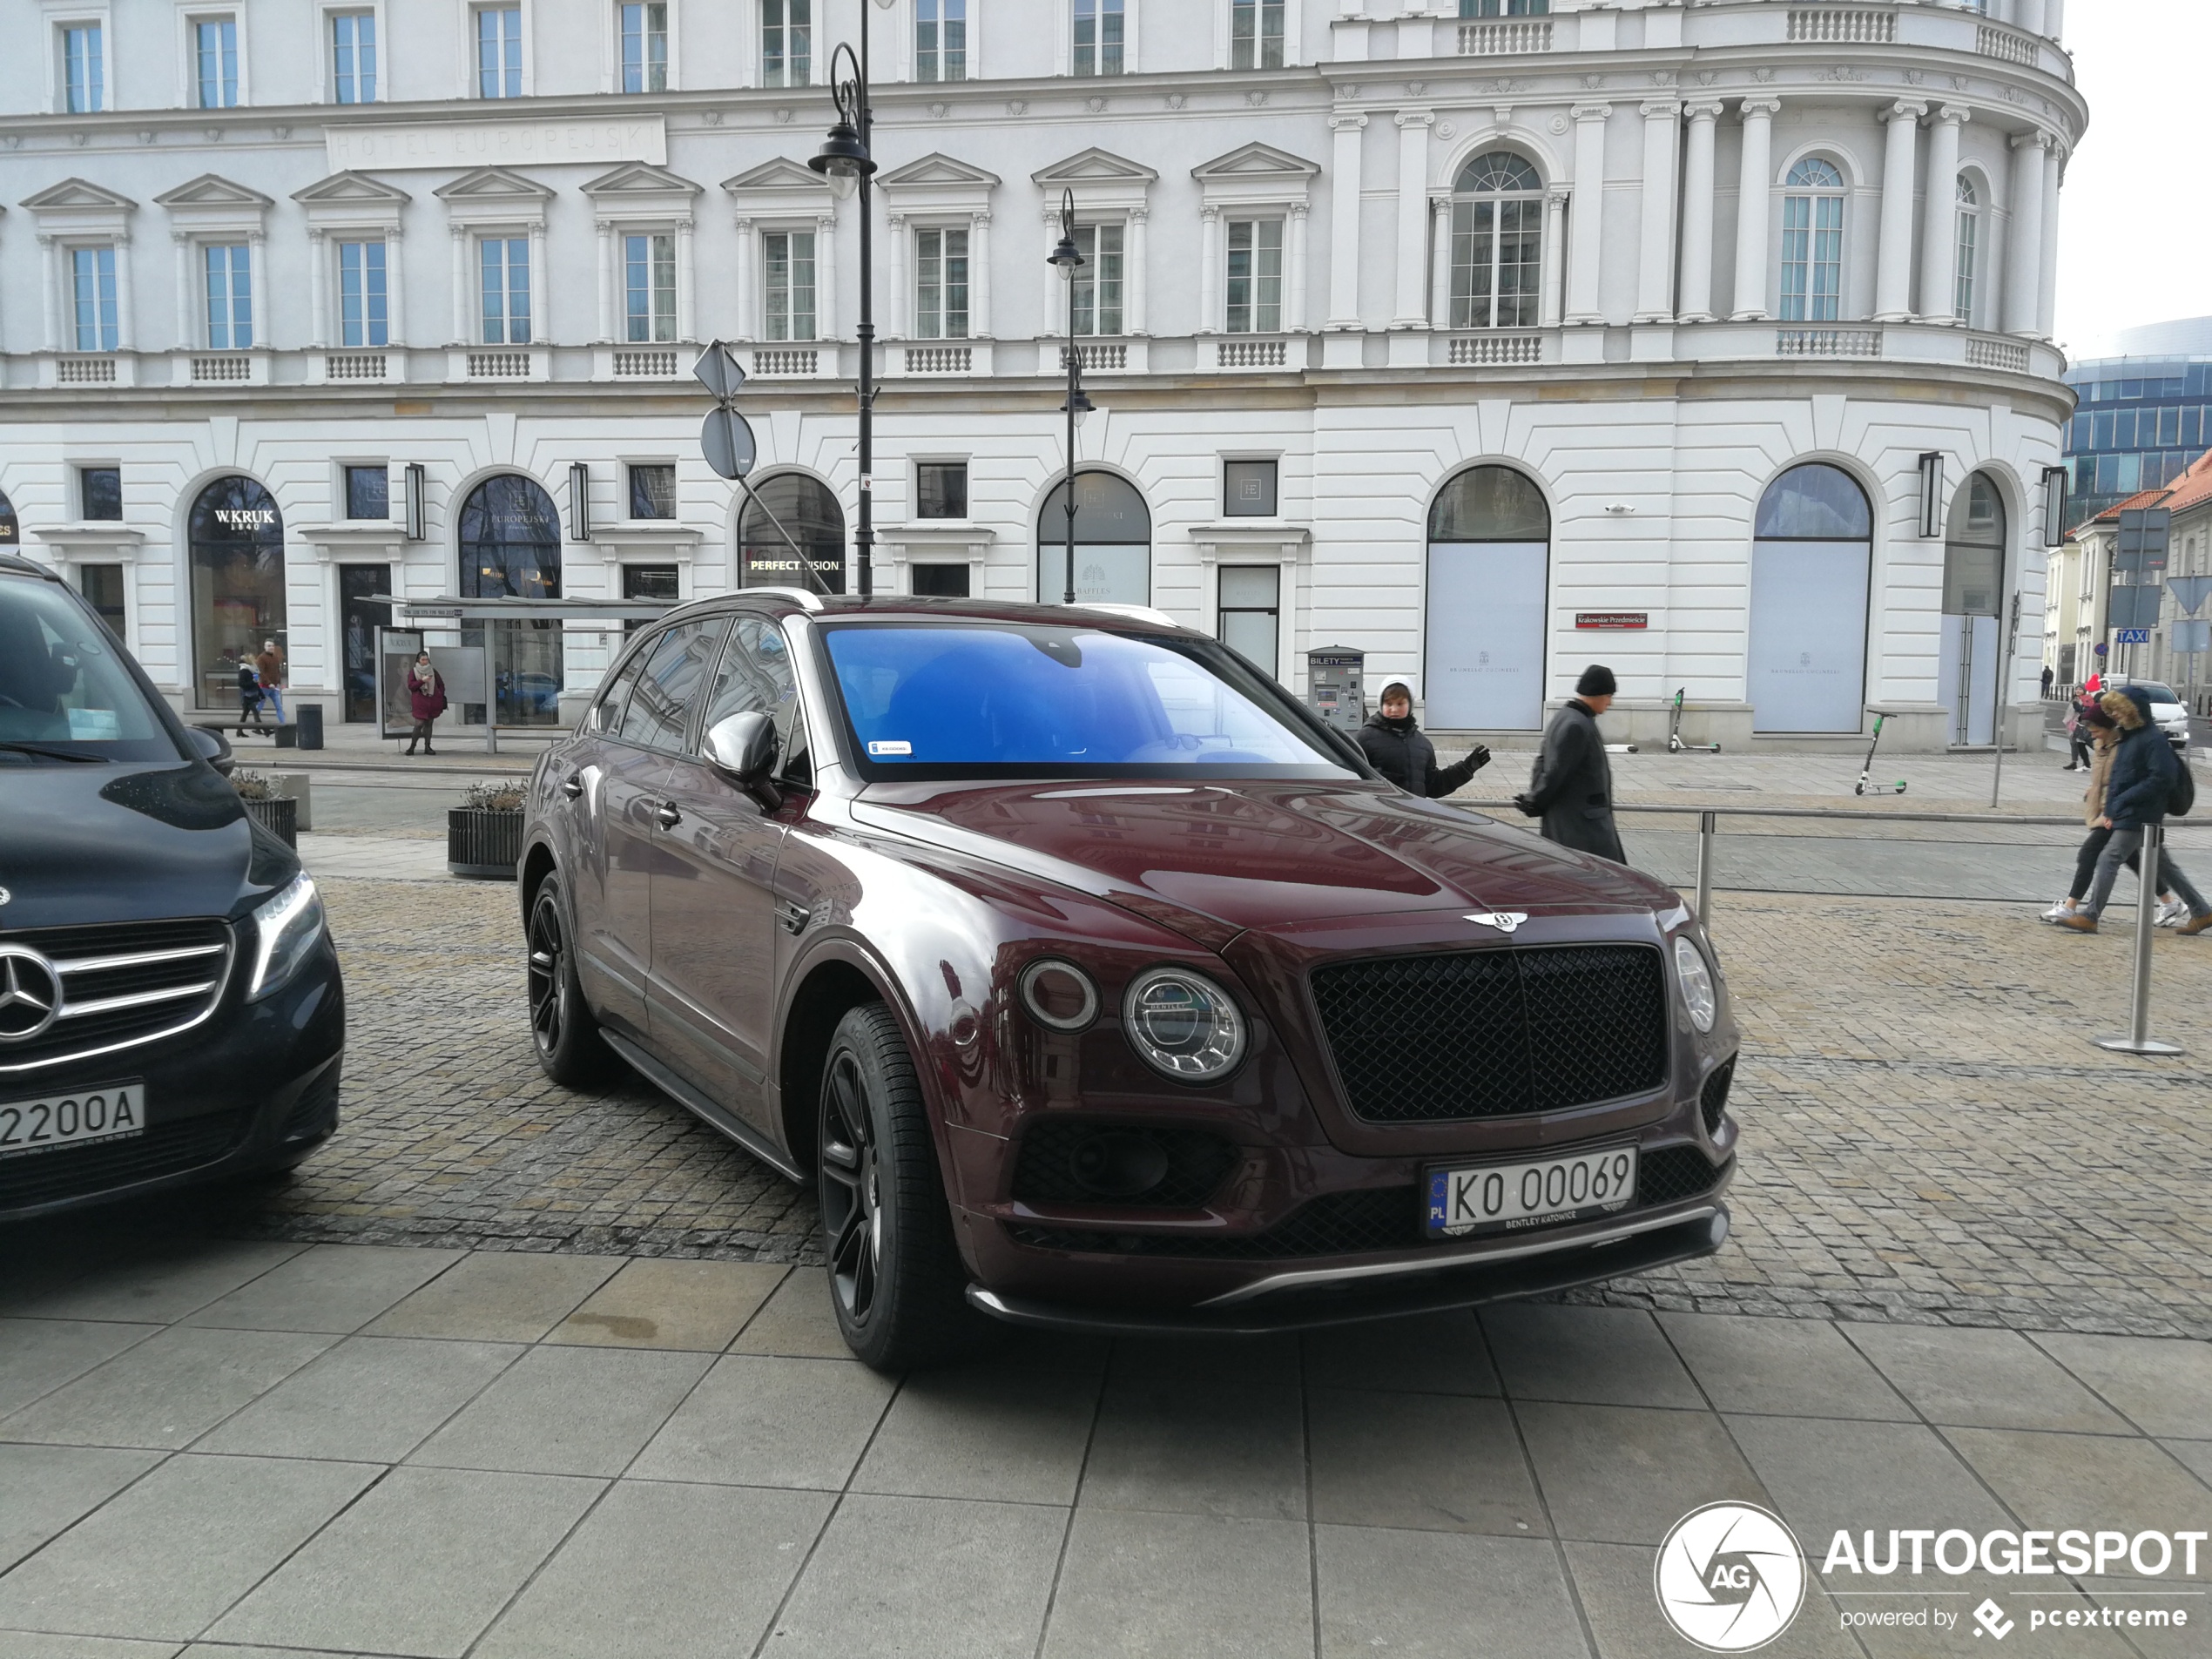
727, 440
718, 370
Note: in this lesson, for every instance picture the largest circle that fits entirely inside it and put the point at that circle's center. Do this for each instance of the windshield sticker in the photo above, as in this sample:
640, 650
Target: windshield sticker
95, 726
882, 747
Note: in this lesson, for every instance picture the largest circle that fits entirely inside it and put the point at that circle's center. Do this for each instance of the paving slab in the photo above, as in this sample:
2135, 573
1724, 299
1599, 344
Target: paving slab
1426, 1593
2195, 1454
656, 1303
567, 1411
1614, 1583
166, 1391
1984, 1378
664, 1571
328, 1288
1434, 1462
1208, 1447
796, 1321
1154, 1585
2091, 1481
981, 1432
30, 1644
159, 1281
1789, 1367
1827, 1475
38, 1356
497, 1296
761, 1419
1625, 1475
47, 1488
1592, 1355
1435, 1353
908, 1578
460, 1541
370, 1399
2162, 1385
127, 1571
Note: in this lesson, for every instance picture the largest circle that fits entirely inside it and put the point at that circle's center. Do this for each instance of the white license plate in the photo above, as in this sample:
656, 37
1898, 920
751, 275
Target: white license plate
109, 1114
1504, 1198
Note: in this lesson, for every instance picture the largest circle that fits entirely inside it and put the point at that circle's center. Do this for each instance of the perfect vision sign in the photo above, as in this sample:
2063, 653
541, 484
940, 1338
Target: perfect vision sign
586, 140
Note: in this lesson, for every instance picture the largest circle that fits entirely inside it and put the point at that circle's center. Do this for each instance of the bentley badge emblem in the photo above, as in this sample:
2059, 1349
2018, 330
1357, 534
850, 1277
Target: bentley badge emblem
1504, 920
31, 994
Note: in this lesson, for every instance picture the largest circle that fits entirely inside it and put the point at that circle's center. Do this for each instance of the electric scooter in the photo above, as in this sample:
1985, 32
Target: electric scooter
1866, 784
1674, 745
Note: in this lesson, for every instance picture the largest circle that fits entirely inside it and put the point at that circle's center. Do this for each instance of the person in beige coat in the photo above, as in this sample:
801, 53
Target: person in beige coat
2103, 732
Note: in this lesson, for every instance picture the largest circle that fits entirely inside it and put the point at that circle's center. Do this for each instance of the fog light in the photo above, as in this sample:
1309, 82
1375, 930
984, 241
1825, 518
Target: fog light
1118, 1164
1059, 994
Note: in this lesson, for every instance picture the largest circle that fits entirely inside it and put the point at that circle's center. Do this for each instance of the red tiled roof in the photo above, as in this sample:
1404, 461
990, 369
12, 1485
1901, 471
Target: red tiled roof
2192, 488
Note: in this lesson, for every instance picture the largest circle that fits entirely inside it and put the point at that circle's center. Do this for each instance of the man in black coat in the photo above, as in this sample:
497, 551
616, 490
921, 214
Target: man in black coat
1397, 749
1572, 790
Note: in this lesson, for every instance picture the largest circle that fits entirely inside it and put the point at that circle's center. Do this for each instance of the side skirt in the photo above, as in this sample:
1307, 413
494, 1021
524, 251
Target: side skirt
704, 1110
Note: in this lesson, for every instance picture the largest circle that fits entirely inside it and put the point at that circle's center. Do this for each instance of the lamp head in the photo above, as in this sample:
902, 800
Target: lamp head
1066, 256
1078, 405
843, 160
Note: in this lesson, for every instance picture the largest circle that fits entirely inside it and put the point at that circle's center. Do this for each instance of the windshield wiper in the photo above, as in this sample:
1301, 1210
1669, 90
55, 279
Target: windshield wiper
21, 748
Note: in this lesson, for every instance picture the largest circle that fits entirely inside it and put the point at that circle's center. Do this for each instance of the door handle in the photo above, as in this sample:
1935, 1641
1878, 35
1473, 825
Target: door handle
670, 817
572, 785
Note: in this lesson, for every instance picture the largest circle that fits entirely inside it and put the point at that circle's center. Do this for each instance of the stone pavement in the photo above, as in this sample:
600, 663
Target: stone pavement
237, 1449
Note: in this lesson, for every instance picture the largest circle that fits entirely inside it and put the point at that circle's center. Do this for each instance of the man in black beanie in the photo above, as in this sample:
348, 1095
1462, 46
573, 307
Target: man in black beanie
1572, 790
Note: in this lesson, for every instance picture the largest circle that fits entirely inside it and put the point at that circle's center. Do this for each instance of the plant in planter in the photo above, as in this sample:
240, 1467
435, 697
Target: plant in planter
278, 814
484, 833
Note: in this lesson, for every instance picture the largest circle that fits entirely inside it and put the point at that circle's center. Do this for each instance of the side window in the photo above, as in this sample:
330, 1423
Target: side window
616, 694
755, 676
660, 706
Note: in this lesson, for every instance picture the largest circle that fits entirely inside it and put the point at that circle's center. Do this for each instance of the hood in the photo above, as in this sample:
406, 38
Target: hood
87, 844
1214, 859
2129, 704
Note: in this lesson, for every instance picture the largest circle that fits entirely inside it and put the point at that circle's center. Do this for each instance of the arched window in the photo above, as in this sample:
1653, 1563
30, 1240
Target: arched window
1812, 243
1497, 243
1490, 570
235, 538
11, 532
1805, 661
1973, 588
1113, 543
511, 548
1962, 301
788, 508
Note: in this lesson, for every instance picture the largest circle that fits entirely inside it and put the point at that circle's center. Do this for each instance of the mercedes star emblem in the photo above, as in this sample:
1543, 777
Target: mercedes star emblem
1504, 920
31, 994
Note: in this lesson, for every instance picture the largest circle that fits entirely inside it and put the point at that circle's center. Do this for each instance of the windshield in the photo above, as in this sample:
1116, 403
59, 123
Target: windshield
992, 699
64, 689
2156, 693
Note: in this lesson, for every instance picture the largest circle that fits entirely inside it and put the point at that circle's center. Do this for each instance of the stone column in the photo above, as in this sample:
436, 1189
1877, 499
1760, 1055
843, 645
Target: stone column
319, 287
1135, 318
1554, 254
2024, 250
1655, 260
50, 257
462, 334
1413, 218
186, 335
540, 321
825, 276
2047, 311
1056, 291
1212, 300
606, 284
1755, 185
748, 287
1694, 301
1893, 264
126, 333
900, 313
1344, 221
1939, 217
260, 304
979, 276
395, 287
1294, 319
1587, 224
1439, 261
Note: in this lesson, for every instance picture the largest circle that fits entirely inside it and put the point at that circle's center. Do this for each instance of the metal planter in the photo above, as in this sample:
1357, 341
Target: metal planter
484, 841
280, 816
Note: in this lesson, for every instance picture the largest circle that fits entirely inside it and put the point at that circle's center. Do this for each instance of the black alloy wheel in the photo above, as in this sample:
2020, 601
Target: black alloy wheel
562, 1030
896, 1279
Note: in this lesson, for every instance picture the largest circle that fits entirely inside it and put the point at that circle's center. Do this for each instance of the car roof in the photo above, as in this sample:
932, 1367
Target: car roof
16, 564
901, 607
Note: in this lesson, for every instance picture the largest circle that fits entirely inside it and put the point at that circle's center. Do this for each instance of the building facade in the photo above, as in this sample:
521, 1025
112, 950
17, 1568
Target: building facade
2145, 413
1492, 339
2079, 619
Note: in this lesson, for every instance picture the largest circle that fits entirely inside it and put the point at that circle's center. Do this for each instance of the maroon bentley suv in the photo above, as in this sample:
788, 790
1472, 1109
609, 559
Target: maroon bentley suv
1097, 985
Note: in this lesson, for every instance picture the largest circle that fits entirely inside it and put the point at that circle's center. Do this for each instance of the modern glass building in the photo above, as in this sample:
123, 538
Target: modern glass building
2145, 413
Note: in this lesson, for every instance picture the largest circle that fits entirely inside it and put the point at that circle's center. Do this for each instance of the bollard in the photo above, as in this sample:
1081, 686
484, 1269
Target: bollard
2138, 1039
1705, 823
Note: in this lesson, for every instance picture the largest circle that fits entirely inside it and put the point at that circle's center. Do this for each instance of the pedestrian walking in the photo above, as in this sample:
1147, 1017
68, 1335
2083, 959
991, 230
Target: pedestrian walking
2102, 732
268, 668
249, 696
426, 700
2049, 676
1400, 750
1572, 787
2142, 788
2078, 733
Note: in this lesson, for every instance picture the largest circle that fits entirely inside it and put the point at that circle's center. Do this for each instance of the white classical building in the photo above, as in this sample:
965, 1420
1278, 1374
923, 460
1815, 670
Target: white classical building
1490, 338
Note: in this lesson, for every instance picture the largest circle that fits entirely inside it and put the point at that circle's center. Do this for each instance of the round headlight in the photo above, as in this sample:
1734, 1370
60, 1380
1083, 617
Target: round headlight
1185, 1025
1059, 994
1697, 993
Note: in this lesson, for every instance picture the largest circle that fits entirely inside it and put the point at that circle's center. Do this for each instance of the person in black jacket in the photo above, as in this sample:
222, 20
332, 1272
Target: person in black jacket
1397, 749
1572, 789
2138, 791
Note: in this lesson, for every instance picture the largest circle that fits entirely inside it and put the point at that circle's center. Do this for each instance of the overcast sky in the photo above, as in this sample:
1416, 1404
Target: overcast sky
2133, 240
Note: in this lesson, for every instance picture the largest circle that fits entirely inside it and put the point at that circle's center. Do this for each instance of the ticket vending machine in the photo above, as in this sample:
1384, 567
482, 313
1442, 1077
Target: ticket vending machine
1333, 688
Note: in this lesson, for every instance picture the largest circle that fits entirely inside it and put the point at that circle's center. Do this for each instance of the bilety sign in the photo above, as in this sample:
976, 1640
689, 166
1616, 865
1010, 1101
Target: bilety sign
585, 140
1612, 620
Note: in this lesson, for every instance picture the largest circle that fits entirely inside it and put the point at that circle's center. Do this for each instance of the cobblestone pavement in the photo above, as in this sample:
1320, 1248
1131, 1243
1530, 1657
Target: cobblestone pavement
1930, 1134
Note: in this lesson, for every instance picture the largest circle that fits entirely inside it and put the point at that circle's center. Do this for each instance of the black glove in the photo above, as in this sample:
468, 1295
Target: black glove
1477, 758
1527, 807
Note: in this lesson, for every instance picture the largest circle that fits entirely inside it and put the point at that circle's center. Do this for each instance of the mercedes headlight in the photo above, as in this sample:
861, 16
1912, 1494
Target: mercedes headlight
286, 928
1185, 1026
1698, 994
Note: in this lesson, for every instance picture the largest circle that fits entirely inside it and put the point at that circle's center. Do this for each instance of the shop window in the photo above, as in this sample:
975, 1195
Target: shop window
1249, 490
941, 489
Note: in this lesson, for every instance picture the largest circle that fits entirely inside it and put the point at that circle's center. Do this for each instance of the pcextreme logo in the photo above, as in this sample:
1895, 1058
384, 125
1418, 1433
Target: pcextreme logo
1730, 1577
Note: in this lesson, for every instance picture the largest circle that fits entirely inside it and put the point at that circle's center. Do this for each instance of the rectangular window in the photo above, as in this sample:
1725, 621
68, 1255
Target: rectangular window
941, 491
2077, 434
1962, 300
2123, 429
787, 43
649, 287
655, 584
2107, 475
644, 46
1100, 26
230, 297
1248, 489
92, 282
1497, 262
1255, 296
940, 285
2190, 426
940, 40
83, 69
652, 491
1098, 280
1256, 34
499, 51
504, 264
2169, 426
102, 586
369, 492
787, 283
215, 49
941, 581
2131, 473
1251, 611
2103, 440
99, 493
1812, 258
353, 56
361, 315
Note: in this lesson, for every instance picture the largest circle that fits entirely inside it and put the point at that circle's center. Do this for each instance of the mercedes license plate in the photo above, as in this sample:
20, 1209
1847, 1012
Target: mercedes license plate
108, 1114
1506, 1197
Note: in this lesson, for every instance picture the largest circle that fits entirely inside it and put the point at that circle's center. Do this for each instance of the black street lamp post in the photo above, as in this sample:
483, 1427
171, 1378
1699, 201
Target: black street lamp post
1067, 258
847, 161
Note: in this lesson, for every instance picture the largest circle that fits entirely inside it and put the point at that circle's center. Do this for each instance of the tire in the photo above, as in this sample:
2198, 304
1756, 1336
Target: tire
896, 1280
562, 1030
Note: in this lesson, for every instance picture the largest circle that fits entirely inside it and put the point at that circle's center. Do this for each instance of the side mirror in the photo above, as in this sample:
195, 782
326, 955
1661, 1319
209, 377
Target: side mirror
214, 748
743, 748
